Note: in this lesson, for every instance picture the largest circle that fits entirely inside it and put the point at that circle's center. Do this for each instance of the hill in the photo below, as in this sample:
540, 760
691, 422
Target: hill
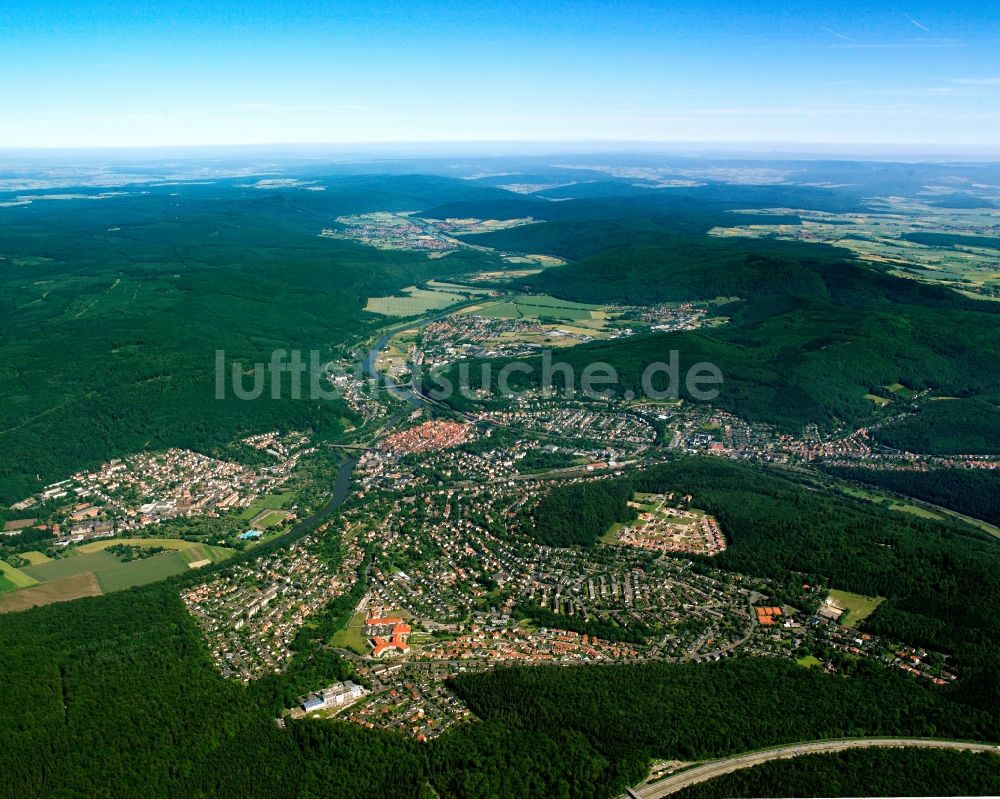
114, 309
942, 581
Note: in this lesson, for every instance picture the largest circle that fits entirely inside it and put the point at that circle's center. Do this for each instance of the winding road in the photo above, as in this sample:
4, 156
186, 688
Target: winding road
716, 768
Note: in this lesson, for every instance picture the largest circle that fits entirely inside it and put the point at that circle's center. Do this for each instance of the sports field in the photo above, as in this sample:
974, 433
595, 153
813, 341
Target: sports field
269, 518
268, 502
858, 607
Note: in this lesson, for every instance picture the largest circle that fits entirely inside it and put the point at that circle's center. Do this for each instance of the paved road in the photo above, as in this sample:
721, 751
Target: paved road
716, 768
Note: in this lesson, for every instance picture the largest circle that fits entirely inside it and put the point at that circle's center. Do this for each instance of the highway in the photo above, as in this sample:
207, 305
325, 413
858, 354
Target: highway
716, 768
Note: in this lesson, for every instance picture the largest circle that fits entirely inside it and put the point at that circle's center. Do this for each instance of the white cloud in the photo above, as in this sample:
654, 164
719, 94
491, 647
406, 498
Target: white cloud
918, 24
834, 33
977, 81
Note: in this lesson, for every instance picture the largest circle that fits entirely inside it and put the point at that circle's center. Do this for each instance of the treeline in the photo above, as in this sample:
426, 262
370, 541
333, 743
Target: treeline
974, 492
579, 514
952, 240
593, 626
128, 552
861, 772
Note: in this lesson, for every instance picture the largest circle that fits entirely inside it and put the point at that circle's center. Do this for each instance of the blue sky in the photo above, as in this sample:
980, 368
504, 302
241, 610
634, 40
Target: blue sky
140, 73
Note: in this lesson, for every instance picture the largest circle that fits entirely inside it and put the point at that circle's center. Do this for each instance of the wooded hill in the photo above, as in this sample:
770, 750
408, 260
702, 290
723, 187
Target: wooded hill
942, 580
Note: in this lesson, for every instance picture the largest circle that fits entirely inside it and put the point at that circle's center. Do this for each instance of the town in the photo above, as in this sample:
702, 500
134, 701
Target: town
435, 539
125, 495
454, 581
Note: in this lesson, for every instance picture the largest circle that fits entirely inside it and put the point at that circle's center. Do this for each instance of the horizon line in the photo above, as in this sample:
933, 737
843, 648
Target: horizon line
439, 147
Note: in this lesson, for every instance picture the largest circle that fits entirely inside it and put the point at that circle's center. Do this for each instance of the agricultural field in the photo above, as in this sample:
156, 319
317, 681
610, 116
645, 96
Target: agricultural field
438, 285
165, 543
953, 247
916, 510
522, 266
413, 301
858, 607
73, 564
191, 551
894, 504
35, 558
542, 307
12, 578
141, 572
901, 391
463, 227
543, 261
90, 570
75, 587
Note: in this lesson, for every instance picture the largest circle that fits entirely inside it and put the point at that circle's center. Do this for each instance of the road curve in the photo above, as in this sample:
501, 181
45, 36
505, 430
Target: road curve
717, 768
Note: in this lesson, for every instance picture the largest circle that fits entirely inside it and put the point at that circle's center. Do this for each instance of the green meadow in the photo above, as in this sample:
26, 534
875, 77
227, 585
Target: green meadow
11, 578
141, 572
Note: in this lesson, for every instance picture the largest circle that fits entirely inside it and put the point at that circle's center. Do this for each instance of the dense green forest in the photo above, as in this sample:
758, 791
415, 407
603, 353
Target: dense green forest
115, 696
968, 425
942, 580
974, 492
611, 720
953, 239
861, 772
581, 513
113, 311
